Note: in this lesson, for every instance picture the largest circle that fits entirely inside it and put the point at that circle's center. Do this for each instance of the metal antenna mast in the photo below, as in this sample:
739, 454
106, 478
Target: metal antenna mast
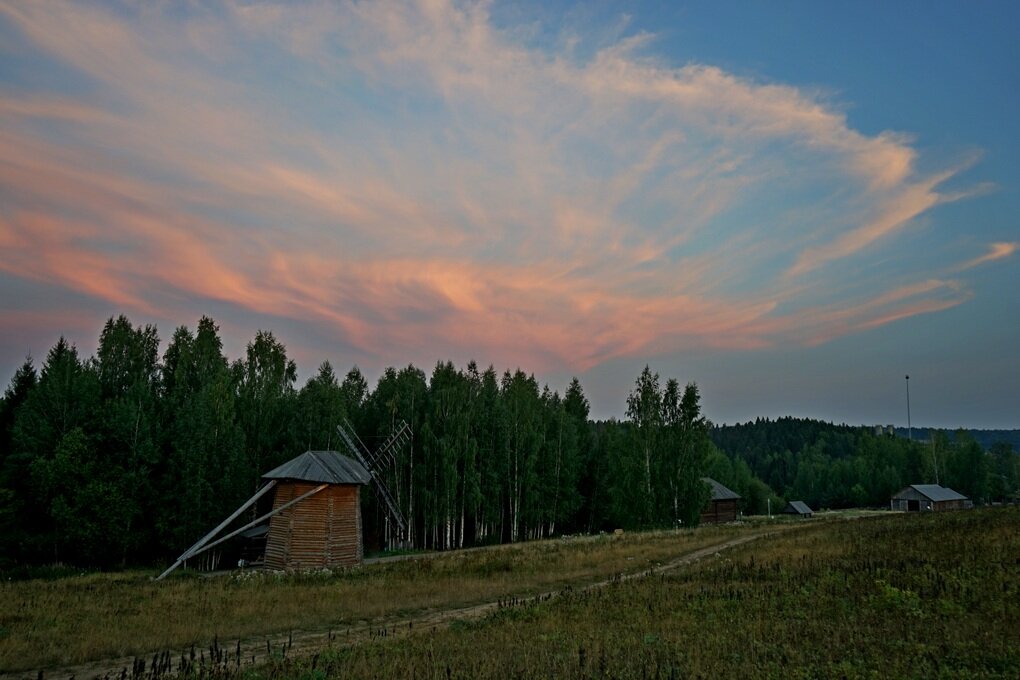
910, 431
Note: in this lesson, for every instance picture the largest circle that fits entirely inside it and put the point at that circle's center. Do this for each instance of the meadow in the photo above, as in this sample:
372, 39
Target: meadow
893, 596
888, 595
50, 623
899, 596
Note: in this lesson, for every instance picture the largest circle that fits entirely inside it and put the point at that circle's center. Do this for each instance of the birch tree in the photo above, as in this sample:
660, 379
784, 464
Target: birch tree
265, 395
644, 411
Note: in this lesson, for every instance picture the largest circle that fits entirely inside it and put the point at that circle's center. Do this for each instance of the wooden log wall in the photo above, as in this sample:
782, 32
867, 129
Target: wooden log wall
321, 532
719, 511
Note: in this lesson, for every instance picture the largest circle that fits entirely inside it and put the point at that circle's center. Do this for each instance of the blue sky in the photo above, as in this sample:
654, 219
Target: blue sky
793, 204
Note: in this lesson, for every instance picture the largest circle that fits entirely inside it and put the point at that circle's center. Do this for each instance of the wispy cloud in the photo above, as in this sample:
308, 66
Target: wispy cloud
424, 183
996, 251
820, 324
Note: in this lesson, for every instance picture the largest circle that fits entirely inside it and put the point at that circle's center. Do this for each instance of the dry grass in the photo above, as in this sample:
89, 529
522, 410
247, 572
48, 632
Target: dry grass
933, 596
47, 623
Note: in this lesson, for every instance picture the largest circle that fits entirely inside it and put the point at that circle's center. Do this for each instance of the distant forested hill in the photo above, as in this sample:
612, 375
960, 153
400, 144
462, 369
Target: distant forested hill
985, 438
793, 433
833, 466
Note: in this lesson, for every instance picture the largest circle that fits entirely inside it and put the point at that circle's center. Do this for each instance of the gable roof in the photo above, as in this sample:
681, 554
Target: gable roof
799, 507
720, 492
325, 467
936, 493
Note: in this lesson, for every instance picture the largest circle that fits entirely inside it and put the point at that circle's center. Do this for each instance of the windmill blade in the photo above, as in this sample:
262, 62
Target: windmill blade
391, 504
386, 455
370, 461
354, 444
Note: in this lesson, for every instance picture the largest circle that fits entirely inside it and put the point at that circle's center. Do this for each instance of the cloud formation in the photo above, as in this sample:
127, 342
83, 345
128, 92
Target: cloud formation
996, 251
424, 182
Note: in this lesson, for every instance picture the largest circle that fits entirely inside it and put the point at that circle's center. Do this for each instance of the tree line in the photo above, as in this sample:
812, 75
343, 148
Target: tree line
839, 466
128, 456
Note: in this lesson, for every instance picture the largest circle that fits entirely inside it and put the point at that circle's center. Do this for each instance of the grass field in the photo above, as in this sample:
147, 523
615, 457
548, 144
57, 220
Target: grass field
886, 596
912, 596
61, 622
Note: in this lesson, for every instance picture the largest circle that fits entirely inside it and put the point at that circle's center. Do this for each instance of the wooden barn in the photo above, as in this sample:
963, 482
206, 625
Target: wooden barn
722, 507
323, 530
799, 508
315, 521
928, 497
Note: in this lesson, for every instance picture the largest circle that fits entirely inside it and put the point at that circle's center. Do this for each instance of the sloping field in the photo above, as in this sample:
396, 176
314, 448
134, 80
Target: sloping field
912, 596
882, 596
111, 618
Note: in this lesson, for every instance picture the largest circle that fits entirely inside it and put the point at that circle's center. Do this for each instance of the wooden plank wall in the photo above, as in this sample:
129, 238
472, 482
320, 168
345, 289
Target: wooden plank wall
719, 511
323, 531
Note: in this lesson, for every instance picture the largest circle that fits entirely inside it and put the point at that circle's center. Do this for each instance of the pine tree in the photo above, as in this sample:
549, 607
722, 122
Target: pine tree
11, 501
66, 398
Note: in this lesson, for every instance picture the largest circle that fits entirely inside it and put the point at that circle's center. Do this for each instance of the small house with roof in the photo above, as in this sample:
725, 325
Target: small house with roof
722, 506
799, 508
928, 497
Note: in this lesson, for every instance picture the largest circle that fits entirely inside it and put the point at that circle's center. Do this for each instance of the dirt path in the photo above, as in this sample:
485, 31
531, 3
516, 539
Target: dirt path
251, 651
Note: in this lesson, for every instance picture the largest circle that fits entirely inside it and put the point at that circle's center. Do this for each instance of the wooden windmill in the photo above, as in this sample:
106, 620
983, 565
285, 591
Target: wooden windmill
315, 522
375, 463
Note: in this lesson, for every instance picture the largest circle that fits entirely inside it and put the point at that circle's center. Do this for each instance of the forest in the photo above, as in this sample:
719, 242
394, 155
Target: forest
127, 456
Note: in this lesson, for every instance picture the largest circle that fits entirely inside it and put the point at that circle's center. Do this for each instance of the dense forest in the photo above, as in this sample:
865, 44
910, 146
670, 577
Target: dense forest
128, 456
838, 466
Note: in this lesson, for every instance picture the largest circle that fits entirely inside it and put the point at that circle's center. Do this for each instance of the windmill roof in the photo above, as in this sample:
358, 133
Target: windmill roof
720, 492
938, 493
327, 467
800, 507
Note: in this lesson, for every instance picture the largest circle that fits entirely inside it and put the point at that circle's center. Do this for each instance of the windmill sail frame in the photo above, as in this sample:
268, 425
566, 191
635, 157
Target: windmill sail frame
376, 461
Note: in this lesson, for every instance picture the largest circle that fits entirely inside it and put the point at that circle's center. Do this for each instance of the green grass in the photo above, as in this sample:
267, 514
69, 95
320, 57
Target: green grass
46, 623
912, 596
889, 595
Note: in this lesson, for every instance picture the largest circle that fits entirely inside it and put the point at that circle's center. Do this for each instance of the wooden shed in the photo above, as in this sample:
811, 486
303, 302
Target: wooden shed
323, 530
928, 497
722, 507
799, 508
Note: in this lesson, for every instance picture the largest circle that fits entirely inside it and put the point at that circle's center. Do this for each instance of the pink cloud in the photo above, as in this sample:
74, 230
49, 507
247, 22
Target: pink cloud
996, 251
815, 325
516, 202
893, 215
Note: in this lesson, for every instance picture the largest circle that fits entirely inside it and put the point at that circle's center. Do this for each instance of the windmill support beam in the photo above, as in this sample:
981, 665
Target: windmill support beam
260, 520
198, 547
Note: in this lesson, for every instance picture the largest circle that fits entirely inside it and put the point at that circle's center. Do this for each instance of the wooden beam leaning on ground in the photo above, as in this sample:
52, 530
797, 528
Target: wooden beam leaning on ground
203, 544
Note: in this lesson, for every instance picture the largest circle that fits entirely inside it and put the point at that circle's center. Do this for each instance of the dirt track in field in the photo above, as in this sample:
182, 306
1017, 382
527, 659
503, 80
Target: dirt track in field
299, 643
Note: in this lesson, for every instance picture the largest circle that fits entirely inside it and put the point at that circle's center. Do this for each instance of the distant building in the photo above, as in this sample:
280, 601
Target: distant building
722, 507
799, 508
928, 497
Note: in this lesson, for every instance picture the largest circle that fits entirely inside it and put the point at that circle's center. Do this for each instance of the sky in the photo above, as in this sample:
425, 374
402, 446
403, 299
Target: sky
794, 204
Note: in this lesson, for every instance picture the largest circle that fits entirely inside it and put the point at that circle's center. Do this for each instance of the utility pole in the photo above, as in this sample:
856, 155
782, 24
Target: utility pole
910, 431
